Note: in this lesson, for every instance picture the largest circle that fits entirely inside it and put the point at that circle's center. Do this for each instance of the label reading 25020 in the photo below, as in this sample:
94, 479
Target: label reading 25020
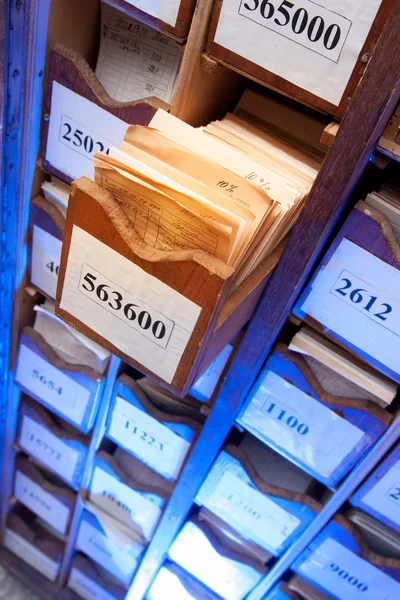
134, 312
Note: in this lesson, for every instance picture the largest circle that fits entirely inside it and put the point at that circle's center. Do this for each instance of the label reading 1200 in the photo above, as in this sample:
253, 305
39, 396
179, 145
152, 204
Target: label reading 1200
134, 312
304, 22
81, 139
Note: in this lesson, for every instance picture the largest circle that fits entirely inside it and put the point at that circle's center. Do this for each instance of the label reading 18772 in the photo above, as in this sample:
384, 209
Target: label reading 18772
303, 21
130, 309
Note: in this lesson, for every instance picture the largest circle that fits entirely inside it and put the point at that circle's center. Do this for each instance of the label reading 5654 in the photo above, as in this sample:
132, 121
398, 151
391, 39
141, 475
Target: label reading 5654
134, 312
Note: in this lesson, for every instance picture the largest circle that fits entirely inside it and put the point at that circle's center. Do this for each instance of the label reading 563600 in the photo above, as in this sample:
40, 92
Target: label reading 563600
130, 309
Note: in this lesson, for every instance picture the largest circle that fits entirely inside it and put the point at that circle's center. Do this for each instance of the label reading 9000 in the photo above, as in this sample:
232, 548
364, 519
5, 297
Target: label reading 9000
134, 312
304, 22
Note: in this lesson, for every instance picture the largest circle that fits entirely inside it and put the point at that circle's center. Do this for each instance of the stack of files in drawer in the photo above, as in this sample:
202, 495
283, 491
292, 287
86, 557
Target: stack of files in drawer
33, 541
155, 428
212, 555
261, 495
318, 406
297, 588
234, 189
353, 556
61, 368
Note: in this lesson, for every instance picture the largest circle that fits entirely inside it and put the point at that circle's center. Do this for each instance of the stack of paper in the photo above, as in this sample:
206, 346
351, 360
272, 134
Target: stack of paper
168, 402
339, 372
387, 201
379, 537
57, 193
230, 189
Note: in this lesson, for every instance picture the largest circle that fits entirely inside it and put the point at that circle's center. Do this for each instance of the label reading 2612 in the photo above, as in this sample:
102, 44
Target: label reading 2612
134, 312
304, 22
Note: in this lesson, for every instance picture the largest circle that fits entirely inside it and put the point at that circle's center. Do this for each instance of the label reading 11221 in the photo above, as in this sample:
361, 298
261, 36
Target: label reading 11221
302, 21
133, 311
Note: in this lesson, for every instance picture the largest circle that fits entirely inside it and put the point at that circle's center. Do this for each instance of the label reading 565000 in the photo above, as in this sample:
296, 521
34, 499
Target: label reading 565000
130, 309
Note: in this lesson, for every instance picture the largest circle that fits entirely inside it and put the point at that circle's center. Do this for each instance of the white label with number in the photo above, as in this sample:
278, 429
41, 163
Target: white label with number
357, 296
166, 11
252, 513
45, 261
85, 587
300, 425
384, 497
140, 315
156, 445
101, 549
347, 576
39, 442
313, 45
34, 557
123, 503
41, 502
77, 129
51, 385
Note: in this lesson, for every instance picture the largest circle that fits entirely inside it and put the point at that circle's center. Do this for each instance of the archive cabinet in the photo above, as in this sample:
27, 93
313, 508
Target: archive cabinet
134, 446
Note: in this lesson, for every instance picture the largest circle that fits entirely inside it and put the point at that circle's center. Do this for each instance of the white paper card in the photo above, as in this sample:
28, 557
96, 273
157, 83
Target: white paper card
45, 261
136, 61
39, 442
139, 433
123, 503
41, 502
137, 313
77, 129
346, 575
86, 588
36, 559
384, 497
357, 296
166, 580
230, 579
165, 10
300, 425
313, 45
251, 513
204, 387
95, 544
51, 385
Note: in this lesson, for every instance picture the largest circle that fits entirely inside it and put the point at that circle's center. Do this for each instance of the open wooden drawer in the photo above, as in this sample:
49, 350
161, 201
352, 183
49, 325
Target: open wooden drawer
168, 314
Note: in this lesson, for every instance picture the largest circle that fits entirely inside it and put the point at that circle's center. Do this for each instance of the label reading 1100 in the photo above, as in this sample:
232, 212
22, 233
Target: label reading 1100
304, 22
134, 312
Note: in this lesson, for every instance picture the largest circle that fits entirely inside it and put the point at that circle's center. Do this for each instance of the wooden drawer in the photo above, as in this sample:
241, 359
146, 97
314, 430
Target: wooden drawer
304, 50
45, 496
56, 448
46, 227
297, 589
341, 563
33, 544
379, 495
172, 17
249, 498
159, 439
324, 434
91, 582
354, 295
109, 544
389, 142
71, 391
78, 105
179, 584
128, 490
218, 561
185, 292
